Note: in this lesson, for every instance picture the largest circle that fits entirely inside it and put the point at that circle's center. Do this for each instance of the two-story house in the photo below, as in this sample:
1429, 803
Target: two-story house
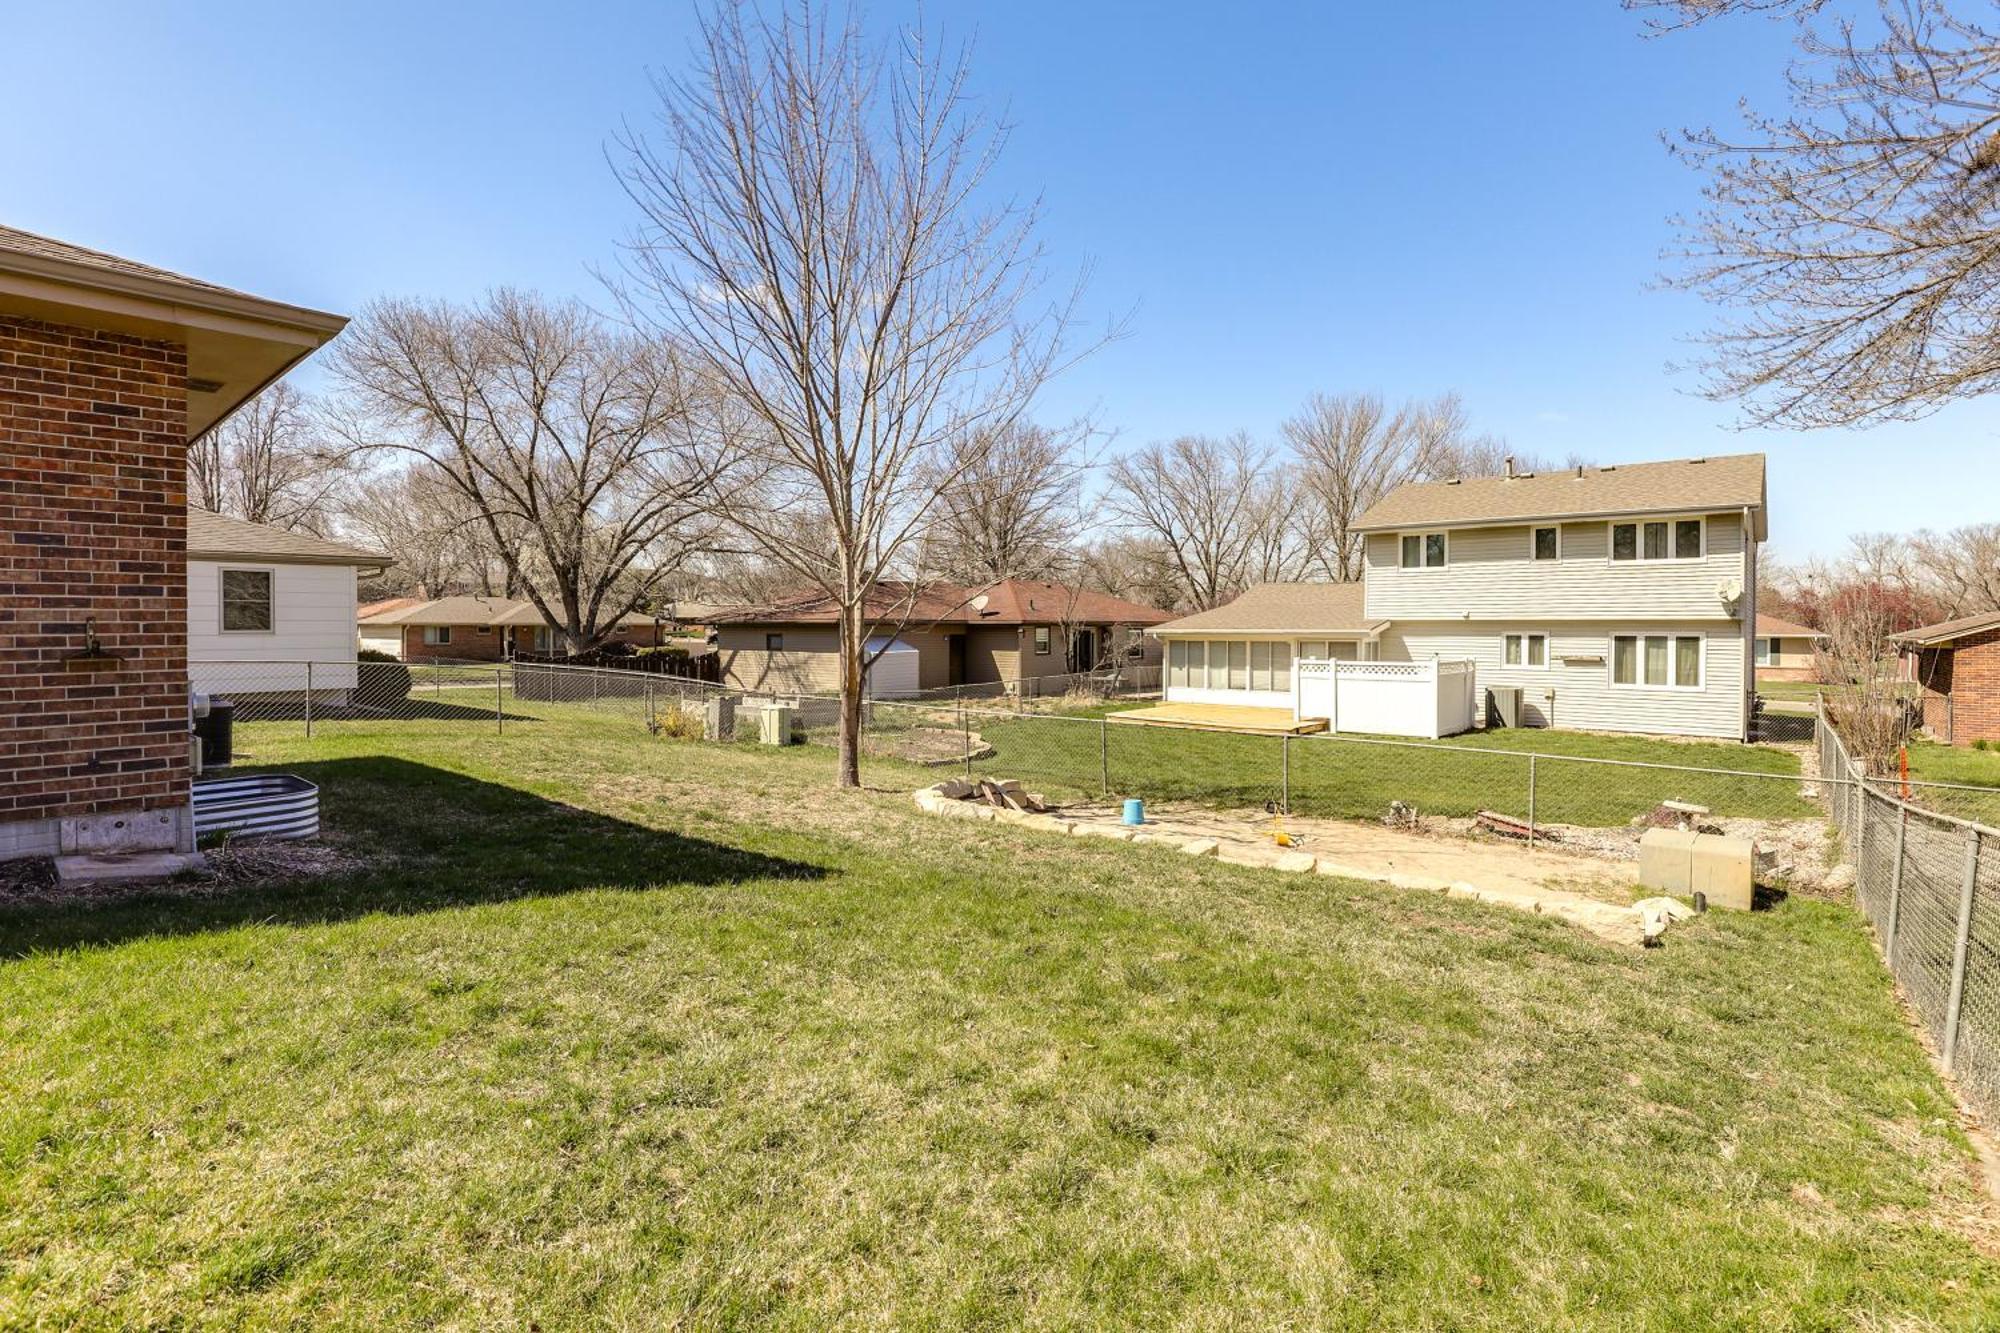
1616, 598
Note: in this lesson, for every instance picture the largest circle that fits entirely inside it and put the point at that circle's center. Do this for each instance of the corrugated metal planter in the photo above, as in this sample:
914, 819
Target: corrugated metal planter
257, 805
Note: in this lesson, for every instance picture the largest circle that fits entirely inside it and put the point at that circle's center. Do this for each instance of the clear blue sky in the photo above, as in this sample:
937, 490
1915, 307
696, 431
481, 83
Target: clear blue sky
1403, 197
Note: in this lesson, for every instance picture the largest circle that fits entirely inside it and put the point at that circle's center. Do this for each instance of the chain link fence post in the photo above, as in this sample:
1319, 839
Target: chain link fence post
309, 700
499, 710
1956, 1003
1285, 771
1104, 756
1896, 886
1531, 801
965, 735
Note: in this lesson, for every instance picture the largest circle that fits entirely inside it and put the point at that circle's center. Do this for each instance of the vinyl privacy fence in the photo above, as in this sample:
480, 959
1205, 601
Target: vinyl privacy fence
1930, 884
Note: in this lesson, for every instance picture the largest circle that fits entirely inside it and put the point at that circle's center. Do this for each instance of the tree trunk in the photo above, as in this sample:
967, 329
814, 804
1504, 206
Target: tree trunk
851, 646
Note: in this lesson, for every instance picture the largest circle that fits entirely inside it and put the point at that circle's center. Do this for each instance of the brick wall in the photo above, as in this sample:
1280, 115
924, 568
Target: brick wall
93, 523
469, 645
1962, 694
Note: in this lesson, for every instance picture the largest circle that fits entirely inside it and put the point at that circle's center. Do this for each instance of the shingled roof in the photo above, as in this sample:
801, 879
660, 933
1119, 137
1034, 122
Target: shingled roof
1684, 485
213, 536
1945, 631
473, 610
1283, 608
1006, 602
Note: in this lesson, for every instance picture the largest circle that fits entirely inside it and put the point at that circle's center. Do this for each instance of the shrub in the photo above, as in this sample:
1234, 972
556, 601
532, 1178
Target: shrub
375, 655
383, 681
1981, 744
679, 724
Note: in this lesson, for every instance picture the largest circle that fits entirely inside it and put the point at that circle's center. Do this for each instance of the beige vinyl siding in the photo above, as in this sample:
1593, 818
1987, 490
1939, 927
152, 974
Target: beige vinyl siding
809, 662
1579, 695
1490, 573
992, 654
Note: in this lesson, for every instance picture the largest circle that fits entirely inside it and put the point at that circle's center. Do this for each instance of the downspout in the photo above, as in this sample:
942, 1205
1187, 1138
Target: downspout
1747, 701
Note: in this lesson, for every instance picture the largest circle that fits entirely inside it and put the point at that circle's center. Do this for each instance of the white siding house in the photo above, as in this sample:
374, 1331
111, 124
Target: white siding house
263, 602
1615, 599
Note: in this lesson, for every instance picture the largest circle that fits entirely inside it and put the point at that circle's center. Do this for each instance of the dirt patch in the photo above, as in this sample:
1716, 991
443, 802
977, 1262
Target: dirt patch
1795, 855
930, 746
237, 865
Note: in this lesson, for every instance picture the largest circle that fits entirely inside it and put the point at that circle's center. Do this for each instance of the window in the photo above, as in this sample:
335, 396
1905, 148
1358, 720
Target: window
1239, 666
246, 601
1041, 640
1260, 666
1176, 662
1658, 661
1312, 650
485, 630
1548, 544
1659, 539
1525, 650
1767, 651
1198, 665
774, 642
1281, 666
1423, 550
437, 635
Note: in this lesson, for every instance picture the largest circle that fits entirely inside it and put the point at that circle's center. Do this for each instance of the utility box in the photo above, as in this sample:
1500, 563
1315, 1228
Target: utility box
1503, 705
775, 725
1721, 869
719, 719
1683, 863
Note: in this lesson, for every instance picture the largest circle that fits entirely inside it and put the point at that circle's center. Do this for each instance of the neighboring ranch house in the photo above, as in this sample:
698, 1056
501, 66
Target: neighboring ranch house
108, 368
1614, 598
476, 629
1786, 650
1956, 666
999, 633
264, 602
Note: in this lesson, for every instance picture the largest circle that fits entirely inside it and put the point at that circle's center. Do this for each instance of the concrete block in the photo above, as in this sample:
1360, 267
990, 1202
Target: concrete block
122, 831
1666, 860
118, 867
1720, 868
1200, 846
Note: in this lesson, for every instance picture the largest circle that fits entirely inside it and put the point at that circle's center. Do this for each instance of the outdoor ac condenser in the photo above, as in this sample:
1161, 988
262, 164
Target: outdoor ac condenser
1503, 705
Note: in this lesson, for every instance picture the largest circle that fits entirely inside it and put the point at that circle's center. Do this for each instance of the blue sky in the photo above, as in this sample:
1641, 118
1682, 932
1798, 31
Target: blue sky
1401, 197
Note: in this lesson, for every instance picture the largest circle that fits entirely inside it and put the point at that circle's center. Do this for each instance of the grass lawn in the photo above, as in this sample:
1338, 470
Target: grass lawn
1930, 762
1346, 778
613, 1031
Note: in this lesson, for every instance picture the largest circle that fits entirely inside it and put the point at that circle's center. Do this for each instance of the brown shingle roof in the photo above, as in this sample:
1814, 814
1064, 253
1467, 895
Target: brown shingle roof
48, 247
1007, 602
1682, 485
471, 610
1773, 627
1947, 630
212, 536
1284, 608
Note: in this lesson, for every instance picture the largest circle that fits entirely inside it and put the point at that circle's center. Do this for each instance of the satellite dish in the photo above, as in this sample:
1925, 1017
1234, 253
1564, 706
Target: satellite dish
979, 602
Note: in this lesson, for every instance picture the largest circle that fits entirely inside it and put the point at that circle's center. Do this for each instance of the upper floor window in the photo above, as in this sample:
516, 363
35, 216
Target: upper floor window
1423, 550
1659, 539
246, 601
1547, 544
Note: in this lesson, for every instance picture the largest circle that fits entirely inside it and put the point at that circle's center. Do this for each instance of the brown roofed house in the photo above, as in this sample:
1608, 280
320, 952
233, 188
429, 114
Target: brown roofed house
477, 629
1013, 634
1956, 667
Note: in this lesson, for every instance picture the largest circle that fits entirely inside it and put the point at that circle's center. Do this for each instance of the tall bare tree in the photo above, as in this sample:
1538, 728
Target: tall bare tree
574, 448
418, 516
815, 232
1012, 509
269, 462
1855, 240
1216, 506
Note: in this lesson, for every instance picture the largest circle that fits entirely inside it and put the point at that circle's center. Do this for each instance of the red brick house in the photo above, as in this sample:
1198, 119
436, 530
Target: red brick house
107, 369
476, 629
1956, 667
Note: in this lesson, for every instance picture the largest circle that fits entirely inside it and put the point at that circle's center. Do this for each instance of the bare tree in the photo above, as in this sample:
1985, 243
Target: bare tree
1960, 569
269, 462
1139, 569
1855, 239
574, 448
1012, 509
814, 232
1210, 504
421, 519
1856, 661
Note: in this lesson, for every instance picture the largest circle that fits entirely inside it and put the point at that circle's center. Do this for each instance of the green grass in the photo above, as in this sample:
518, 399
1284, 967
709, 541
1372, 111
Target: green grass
611, 1031
1348, 778
1930, 762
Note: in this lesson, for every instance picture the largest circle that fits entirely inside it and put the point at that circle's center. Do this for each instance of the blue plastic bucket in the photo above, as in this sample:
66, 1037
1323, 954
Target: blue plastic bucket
1135, 811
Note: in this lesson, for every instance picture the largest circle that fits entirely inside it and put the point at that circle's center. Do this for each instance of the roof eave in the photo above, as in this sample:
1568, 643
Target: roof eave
1595, 515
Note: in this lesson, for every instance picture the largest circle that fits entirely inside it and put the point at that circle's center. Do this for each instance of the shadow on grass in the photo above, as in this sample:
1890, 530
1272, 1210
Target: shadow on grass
420, 839
412, 709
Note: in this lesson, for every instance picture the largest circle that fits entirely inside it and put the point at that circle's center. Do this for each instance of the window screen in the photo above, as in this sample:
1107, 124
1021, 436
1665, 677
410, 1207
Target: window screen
1545, 543
246, 600
1413, 552
1624, 541
1656, 659
1625, 660
1281, 666
1687, 660
1687, 539
1260, 666
1656, 541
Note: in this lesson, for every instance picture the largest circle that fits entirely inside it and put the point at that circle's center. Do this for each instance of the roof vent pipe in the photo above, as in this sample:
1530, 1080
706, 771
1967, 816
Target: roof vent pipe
1510, 466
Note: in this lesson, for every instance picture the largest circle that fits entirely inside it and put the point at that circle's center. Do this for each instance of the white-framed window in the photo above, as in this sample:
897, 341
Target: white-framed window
1281, 667
1312, 650
1767, 651
437, 636
1041, 640
249, 601
1239, 666
1525, 650
1177, 662
1652, 540
1423, 550
1545, 543
1659, 661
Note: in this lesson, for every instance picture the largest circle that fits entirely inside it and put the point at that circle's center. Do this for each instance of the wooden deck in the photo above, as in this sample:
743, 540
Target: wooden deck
1221, 717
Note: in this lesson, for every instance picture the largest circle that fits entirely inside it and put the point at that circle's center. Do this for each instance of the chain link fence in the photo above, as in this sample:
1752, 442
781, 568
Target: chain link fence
1929, 882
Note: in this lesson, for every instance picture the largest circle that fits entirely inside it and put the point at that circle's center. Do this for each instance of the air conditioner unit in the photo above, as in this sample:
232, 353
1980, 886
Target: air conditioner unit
1503, 706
